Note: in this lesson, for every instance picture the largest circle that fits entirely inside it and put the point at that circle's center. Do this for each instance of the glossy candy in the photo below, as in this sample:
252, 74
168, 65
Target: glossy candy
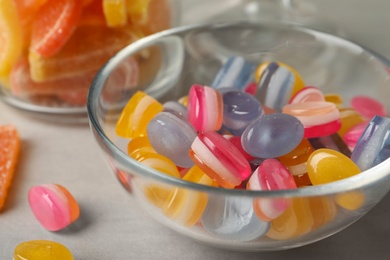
175, 107
219, 159
333, 141
320, 118
53, 206
233, 218
307, 94
368, 107
235, 73
205, 108
139, 146
139, 110
326, 165
349, 117
239, 110
277, 82
41, 250
335, 99
172, 135
271, 175
352, 136
272, 135
236, 141
373, 146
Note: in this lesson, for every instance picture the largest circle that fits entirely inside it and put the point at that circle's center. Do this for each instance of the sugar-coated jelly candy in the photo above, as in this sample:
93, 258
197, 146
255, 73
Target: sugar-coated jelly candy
233, 218
295, 161
352, 136
271, 175
368, 107
219, 159
272, 135
333, 141
9, 154
277, 82
205, 108
186, 206
307, 94
239, 110
326, 165
172, 135
349, 117
176, 107
235, 73
139, 110
42, 250
53, 206
320, 118
373, 146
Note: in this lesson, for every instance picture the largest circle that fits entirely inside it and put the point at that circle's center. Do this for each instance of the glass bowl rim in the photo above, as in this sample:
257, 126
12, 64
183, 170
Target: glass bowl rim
361, 180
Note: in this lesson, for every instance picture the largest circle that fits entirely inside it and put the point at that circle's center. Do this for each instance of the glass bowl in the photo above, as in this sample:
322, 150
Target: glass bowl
168, 63
47, 64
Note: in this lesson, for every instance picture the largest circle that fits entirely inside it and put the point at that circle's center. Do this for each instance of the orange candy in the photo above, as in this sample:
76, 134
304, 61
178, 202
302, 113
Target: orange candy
9, 153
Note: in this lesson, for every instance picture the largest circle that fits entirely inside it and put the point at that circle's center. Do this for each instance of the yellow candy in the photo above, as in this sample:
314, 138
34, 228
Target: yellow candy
138, 146
352, 200
349, 118
135, 117
335, 99
115, 12
42, 250
137, 9
11, 37
323, 210
326, 165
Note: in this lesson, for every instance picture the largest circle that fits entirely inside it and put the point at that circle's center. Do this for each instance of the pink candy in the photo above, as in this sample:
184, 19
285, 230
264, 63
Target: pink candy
368, 107
307, 94
351, 137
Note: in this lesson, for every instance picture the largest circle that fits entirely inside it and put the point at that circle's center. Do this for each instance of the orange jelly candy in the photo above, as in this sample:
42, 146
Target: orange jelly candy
9, 152
115, 12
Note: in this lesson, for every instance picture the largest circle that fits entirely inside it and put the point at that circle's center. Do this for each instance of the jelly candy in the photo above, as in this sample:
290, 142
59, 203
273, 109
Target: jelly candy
115, 12
271, 175
368, 107
235, 73
138, 9
93, 13
184, 205
351, 137
277, 82
326, 165
373, 145
307, 94
239, 110
11, 37
333, 141
319, 118
335, 99
351, 200
175, 107
349, 118
272, 135
172, 135
233, 218
138, 146
41, 250
53, 25
219, 159
236, 141
9, 154
323, 210
53, 206
205, 108
295, 161
139, 110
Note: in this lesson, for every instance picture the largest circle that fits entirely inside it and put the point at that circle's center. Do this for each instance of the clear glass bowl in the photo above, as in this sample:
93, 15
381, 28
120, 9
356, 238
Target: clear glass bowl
171, 61
48, 72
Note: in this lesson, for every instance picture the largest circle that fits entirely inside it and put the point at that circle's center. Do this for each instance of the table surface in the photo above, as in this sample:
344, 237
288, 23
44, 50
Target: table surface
112, 226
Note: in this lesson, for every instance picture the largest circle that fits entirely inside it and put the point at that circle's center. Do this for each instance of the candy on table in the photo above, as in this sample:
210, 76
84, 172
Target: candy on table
11, 37
319, 118
139, 110
235, 73
333, 141
277, 82
205, 108
351, 137
233, 218
53, 205
219, 159
239, 110
373, 145
41, 250
172, 135
335, 99
9, 154
115, 12
368, 107
326, 165
187, 206
349, 117
271, 175
272, 135
295, 161
138, 146
307, 94
176, 107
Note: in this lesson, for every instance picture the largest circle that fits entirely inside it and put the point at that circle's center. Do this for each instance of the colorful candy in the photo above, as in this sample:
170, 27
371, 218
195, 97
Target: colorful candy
334, 142
53, 206
307, 94
352, 136
42, 250
368, 107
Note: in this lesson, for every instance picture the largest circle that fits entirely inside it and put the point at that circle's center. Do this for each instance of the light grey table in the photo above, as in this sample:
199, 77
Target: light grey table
111, 225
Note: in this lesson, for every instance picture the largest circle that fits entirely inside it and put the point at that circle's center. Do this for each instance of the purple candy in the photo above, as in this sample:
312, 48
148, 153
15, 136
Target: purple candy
272, 135
171, 135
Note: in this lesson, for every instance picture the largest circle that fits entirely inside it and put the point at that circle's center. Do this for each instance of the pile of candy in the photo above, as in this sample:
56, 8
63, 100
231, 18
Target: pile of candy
255, 128
51, 50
